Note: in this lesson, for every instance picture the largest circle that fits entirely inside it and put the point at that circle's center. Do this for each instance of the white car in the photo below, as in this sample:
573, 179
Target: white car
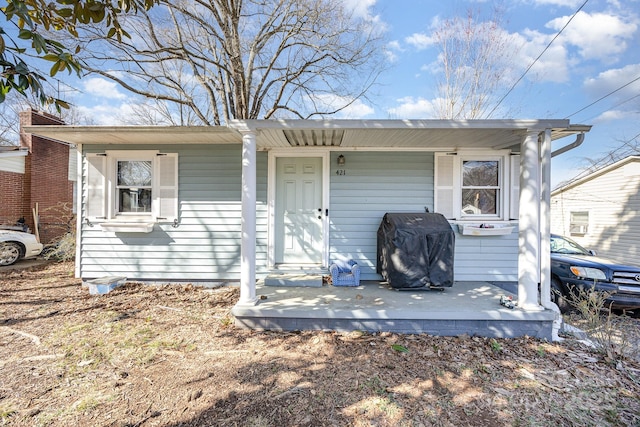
15, 245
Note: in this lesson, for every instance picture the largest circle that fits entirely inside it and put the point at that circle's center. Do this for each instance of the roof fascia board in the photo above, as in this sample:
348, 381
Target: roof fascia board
15, 153
253, 125
74, 134
595, 174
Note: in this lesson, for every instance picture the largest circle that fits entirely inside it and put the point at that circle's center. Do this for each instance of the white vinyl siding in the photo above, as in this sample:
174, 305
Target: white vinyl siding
205, 245
612, 200
12, 164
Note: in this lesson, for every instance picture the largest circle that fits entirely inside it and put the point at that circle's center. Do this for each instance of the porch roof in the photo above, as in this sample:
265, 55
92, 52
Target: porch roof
345, 134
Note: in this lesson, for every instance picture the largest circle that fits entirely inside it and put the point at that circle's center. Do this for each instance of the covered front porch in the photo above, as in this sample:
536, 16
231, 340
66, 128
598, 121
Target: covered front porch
471, 308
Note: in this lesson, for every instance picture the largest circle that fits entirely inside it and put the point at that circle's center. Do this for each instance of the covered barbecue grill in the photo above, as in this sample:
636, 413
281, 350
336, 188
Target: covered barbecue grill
415, 250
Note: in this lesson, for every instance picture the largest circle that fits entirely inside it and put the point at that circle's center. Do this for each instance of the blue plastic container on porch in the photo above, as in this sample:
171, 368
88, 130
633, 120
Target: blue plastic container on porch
345, 273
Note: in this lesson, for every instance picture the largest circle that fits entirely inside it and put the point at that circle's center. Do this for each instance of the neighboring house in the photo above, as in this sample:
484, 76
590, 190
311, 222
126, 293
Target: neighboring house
234, 203
38, 173
601, 211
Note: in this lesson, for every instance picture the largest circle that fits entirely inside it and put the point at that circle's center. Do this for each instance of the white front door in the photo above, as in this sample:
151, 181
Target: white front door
298, 213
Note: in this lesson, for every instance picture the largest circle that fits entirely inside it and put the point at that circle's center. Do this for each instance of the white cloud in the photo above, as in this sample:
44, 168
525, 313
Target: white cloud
564, 3
609, 81
364, 9
412, 108
355, 110
391, 51
613, 115
102, 88
598, 36
106, 115
394, 45
553, 66
420, 41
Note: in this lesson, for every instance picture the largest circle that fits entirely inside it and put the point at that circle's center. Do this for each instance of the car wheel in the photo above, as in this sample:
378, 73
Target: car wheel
559, 297
9, 253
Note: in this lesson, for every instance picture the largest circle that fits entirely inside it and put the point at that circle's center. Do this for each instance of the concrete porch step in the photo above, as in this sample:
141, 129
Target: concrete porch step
294, 279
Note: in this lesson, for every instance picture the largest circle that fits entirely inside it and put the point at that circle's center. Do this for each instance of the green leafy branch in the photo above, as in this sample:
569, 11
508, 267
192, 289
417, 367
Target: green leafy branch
59, 15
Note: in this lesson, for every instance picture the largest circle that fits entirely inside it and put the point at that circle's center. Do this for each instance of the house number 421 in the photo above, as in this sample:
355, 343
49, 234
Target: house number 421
341, 172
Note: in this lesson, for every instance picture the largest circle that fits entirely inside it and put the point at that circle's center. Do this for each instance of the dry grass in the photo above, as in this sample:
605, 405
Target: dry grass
170, 356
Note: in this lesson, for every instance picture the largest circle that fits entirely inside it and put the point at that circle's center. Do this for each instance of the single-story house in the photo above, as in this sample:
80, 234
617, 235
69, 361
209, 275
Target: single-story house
601, 211
240, 202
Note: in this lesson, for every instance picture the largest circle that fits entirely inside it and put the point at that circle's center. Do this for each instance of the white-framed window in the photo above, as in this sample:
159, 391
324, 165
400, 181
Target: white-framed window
579, 223
124, 185
477, 185
134, 186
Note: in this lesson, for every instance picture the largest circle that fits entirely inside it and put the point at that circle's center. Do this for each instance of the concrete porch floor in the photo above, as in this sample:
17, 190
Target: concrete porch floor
471, 308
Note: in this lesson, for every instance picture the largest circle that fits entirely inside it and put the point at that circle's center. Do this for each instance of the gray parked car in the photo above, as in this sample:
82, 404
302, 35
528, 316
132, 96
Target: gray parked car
573, 268
15, 245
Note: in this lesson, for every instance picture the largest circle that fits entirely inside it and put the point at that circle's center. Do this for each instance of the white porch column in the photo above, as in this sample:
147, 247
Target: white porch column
529, 224
248, 245
545, 221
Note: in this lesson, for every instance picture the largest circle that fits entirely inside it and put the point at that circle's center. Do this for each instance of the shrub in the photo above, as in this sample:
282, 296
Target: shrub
611, 334
64, 249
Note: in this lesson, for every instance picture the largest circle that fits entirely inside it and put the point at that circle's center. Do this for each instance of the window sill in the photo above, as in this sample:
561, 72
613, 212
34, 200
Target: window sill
485, 229
127, 227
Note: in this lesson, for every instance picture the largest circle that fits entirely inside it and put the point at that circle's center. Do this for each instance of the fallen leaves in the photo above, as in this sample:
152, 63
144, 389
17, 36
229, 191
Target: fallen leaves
169, 355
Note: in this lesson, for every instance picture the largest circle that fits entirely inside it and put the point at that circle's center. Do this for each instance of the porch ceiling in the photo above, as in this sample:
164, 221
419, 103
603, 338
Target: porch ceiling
429, 134
346, 134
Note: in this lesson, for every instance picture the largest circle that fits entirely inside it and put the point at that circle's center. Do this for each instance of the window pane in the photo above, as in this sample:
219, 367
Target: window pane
480, 173
579, 222
479, 202
134, 199
134, 173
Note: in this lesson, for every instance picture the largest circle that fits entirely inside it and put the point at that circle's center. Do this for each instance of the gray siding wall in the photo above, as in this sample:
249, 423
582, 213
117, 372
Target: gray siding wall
206, 244
613, 202
375, 183
205, 247
486, 258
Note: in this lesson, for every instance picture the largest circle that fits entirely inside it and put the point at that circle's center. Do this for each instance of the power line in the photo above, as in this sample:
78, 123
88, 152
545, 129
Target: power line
612, 107
603, 97
536, 60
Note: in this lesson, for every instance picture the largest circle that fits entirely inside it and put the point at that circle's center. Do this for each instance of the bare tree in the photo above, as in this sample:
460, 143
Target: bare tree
9, 119
209, 61
15, 102
476, 61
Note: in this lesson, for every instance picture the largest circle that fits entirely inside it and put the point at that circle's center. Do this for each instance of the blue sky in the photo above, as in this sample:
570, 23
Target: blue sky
597, 53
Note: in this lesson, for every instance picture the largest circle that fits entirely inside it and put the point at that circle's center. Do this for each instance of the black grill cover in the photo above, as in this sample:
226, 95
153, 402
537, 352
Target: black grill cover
416, 250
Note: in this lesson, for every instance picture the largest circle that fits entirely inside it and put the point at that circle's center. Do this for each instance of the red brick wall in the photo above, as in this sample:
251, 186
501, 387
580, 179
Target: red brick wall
51, 188
45, 182
11, 197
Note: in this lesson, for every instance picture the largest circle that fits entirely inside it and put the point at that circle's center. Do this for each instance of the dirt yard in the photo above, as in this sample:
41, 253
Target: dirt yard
170, 356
